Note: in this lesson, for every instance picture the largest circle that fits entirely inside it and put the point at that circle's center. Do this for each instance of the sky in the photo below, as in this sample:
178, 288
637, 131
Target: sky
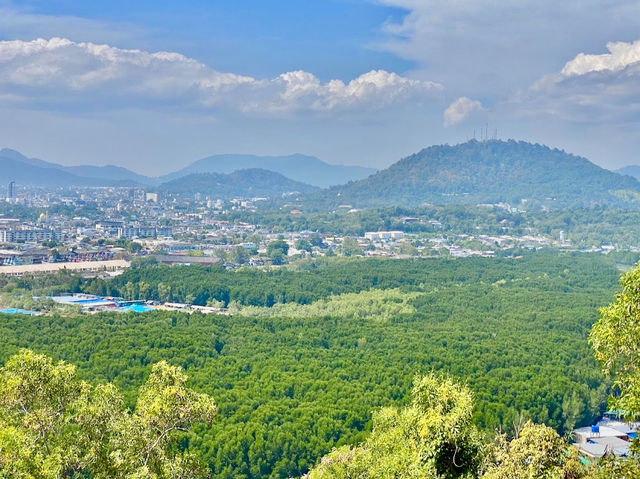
156, 85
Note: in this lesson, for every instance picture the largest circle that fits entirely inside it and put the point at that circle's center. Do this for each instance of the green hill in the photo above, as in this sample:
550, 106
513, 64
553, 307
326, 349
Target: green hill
513, 172
249, 183
303, 168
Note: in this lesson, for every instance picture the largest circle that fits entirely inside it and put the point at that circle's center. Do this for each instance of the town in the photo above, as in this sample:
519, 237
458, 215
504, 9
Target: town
101, 229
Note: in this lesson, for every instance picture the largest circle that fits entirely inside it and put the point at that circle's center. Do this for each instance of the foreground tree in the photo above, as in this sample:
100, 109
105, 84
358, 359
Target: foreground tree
537, 452
615, 468
431, 438
53, 425
615, 338
616, 341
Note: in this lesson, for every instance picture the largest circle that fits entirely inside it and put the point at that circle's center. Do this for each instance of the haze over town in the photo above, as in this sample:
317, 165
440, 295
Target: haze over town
151, 86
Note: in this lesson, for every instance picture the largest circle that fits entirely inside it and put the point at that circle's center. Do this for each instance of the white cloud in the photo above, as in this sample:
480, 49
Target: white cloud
460, 110
59, 71
620, 56
590, 88
491, 47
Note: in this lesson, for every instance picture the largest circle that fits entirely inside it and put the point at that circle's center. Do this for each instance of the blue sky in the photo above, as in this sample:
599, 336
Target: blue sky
154, 85
260, 38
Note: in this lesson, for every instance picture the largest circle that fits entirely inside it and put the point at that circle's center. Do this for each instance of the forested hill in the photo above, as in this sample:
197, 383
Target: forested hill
249, 183
518, 173
303, 168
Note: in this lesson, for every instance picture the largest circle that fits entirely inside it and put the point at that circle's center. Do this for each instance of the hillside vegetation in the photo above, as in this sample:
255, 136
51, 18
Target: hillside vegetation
519, 173
239, 184
301, 168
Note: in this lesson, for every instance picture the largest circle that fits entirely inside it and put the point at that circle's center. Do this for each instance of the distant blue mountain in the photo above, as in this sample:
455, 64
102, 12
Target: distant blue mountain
302, 168
632, 170
110, 172
13, 170
38, 172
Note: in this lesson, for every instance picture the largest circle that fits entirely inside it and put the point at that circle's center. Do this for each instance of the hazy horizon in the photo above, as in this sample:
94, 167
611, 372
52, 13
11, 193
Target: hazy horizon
147, 86
181, 166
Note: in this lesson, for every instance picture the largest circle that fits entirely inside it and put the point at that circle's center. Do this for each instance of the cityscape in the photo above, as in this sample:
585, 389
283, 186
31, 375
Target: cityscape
337, 239
123, 223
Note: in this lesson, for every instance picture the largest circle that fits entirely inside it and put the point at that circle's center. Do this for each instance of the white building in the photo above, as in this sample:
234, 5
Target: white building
383, 235
29, 235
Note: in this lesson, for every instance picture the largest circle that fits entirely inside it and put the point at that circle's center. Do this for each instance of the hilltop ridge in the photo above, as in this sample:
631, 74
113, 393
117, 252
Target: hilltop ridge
494, 171
252, 182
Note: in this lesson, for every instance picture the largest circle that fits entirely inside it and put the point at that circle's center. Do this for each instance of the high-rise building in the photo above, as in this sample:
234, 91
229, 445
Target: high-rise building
152, 197
12, 190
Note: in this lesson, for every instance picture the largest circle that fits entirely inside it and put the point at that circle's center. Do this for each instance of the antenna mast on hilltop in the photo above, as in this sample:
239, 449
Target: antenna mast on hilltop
484, 133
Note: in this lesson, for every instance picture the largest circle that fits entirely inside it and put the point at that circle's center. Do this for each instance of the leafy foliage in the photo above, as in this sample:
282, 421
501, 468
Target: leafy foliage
616, 341
537, 452
375, 304
277, 251
53, 425
432, 438
615, 337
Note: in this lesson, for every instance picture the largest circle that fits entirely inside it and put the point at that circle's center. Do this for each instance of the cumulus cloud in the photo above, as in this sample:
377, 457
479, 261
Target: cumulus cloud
620, 56
590, 88
490, 47
61, 71
460, 110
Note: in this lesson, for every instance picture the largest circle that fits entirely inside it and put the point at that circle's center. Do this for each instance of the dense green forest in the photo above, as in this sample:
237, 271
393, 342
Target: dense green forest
514, 330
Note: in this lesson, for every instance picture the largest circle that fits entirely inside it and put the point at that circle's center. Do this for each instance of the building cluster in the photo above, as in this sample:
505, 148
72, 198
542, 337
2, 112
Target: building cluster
609, 437
26, 234
13, 230
106, 223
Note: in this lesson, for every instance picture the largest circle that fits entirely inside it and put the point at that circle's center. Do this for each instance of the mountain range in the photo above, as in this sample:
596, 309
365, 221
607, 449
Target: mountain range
19, 168
301, 168
474, 172
514, 172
